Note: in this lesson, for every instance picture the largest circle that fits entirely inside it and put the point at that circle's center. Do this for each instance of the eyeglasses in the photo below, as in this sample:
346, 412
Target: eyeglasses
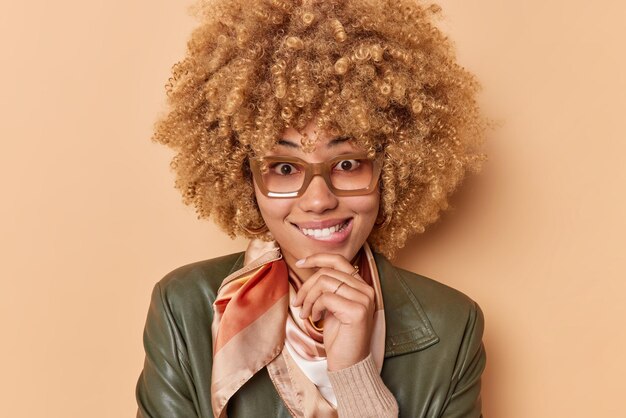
345, 175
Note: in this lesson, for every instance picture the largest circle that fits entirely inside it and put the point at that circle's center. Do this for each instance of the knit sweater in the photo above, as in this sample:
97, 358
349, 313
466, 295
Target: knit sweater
361, 392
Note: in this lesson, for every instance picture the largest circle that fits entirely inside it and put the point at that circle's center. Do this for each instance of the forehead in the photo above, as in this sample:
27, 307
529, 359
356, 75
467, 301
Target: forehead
312, 143
340, 142
321, 150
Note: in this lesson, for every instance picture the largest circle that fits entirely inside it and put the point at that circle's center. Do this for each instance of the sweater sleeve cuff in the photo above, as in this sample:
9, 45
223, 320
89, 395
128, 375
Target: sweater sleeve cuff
361, 392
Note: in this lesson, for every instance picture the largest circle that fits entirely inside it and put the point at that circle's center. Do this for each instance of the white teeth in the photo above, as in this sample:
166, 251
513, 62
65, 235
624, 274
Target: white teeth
325, 232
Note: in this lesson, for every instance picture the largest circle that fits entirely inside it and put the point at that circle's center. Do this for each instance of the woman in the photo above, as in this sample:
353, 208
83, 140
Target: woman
327, 132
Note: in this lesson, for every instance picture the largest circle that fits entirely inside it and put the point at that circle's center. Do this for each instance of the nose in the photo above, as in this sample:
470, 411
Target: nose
317, 197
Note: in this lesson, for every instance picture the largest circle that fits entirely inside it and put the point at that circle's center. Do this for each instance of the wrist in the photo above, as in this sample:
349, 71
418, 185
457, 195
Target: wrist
361, 392
338, 365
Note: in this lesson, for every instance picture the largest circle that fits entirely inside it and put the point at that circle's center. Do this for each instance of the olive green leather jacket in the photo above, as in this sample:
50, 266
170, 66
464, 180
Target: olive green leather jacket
434, 356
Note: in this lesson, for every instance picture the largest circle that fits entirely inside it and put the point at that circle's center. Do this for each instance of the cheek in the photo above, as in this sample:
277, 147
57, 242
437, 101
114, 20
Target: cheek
366, 209
272, 210
367, 206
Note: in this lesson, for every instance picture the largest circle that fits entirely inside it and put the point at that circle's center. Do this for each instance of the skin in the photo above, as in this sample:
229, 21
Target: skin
324, 265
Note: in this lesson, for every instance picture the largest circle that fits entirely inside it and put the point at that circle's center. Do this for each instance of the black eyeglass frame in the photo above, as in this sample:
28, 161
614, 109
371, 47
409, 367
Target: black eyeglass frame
315, 169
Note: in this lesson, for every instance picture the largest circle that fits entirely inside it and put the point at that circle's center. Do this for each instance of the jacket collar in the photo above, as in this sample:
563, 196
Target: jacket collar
407, 328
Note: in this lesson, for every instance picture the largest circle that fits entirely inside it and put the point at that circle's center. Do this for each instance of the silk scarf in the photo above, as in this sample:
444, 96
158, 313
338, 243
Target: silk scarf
256, 326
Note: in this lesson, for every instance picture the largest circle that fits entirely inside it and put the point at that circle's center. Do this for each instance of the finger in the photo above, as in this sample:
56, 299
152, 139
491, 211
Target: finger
334, 261
312, 281
348, 312
330, 285
318, 285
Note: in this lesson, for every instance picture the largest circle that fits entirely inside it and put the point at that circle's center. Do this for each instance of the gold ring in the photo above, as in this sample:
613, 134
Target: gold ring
355, 272
340, 284
315, 327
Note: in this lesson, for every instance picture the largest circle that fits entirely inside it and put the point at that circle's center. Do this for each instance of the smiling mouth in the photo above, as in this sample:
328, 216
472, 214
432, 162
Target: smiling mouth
337, 230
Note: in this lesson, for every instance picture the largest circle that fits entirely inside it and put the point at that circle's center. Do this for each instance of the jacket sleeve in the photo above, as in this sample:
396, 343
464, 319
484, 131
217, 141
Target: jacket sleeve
163, 388
464, 400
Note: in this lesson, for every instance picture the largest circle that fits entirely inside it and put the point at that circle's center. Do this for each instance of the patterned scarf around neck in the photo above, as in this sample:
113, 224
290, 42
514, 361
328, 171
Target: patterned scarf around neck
255, 326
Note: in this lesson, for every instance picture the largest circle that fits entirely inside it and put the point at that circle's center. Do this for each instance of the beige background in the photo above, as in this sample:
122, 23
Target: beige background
90, 221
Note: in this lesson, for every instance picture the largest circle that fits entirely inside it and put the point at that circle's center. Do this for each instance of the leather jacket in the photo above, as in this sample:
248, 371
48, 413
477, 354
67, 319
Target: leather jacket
434, 356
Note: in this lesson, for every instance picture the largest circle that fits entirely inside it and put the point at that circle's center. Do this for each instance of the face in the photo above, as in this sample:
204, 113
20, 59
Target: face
298, 223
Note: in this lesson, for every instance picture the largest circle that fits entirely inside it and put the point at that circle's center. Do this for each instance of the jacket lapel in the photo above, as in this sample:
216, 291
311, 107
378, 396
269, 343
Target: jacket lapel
407, 326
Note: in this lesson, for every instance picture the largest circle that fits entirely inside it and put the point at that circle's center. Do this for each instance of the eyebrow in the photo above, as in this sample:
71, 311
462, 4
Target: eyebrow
331, 143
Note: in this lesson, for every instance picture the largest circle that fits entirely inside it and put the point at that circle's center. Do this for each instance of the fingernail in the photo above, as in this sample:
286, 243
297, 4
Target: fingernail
300, 262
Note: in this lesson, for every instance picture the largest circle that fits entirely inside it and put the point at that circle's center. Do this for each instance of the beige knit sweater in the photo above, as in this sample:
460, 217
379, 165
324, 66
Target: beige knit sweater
361, 392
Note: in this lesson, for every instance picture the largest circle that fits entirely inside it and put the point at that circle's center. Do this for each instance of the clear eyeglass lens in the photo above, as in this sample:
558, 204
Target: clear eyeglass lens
283, 177
352, 174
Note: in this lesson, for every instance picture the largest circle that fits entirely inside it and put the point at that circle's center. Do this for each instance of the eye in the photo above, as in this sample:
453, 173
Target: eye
283, 169
347, 165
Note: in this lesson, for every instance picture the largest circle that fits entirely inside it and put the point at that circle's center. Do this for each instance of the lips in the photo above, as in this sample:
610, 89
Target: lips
330, 230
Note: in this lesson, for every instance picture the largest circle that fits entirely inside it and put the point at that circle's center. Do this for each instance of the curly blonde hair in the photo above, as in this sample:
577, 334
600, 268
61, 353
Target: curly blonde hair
378, 71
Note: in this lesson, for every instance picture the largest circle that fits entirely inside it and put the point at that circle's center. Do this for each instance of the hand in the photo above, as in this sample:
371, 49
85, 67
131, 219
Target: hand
349, 311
